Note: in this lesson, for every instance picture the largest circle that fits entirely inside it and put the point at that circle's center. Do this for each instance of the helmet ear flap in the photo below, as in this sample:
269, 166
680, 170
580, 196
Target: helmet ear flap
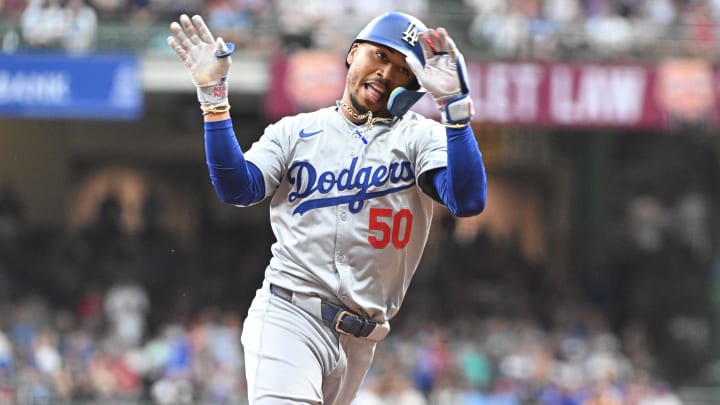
402, 99
414, 85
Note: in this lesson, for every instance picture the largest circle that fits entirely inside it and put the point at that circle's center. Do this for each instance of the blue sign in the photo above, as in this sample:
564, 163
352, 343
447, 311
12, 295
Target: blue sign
97, 86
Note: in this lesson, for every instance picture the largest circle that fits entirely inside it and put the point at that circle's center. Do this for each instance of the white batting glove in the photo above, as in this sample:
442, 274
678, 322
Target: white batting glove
444, 77
206, 58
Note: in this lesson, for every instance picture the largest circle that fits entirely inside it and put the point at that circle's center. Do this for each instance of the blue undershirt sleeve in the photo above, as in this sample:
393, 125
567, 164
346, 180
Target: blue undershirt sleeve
236, 181
462, 185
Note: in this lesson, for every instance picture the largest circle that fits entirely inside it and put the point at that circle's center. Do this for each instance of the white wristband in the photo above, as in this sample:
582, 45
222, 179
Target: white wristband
459, 110
213, 95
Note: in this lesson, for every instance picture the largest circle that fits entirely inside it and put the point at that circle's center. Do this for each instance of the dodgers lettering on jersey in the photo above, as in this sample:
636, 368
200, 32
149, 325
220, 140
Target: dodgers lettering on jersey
307, 183
350, 221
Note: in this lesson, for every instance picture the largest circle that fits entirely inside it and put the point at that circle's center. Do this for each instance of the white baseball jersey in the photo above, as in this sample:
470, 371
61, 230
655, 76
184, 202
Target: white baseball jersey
350, 220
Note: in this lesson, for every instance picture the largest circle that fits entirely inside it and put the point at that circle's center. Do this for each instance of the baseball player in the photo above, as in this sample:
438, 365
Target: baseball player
352, 189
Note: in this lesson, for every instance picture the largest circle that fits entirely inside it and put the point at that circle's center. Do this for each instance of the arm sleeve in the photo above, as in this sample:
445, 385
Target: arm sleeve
235, 180
462, 185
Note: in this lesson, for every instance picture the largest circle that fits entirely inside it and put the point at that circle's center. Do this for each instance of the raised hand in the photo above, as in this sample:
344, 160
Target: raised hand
444, 76
206, 58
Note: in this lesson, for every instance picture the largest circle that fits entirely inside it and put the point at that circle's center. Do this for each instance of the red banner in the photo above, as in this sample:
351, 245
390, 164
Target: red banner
619, 95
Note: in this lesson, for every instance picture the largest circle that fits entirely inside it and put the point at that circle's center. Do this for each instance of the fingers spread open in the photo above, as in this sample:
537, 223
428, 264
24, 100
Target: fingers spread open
427, 46
190, 29
202, 29
438, 40
178, 48
179, 35
442, 32
449, 45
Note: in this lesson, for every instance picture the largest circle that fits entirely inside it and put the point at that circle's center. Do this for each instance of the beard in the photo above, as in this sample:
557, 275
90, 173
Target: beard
354, 81
355, 104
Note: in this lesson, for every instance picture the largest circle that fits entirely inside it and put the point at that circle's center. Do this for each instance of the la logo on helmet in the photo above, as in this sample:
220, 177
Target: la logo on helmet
410, 35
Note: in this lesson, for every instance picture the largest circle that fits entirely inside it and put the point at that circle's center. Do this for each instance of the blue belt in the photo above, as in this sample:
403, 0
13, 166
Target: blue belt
338, 318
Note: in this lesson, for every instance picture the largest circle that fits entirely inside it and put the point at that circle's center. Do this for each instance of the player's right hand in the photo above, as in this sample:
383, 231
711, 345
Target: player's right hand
207, 58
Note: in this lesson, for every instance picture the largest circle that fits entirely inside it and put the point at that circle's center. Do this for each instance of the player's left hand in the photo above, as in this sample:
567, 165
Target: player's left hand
444, 76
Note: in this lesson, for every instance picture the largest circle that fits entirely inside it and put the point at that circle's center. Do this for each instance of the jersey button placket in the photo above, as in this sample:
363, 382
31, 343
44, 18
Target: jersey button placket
341, 216
339, 245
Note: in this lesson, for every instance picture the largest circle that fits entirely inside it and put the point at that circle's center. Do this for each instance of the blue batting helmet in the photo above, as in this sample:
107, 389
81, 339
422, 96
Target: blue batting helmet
397, 31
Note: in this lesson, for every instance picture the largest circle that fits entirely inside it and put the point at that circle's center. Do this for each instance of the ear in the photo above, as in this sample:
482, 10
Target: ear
352, 53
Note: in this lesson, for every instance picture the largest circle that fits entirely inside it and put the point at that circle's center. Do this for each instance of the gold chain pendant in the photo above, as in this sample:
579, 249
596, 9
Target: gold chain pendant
370, 120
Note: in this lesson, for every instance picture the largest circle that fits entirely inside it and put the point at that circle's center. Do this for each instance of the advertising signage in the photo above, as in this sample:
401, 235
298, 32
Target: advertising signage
604, 95
94, 87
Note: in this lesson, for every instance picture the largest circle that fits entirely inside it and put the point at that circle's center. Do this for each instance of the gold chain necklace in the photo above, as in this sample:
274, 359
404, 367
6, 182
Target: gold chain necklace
359, 117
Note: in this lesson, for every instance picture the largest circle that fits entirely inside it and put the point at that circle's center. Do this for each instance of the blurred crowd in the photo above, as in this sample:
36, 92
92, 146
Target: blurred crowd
596, 29
545, 29
100, 314
500, 360
48, 355
254, 24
